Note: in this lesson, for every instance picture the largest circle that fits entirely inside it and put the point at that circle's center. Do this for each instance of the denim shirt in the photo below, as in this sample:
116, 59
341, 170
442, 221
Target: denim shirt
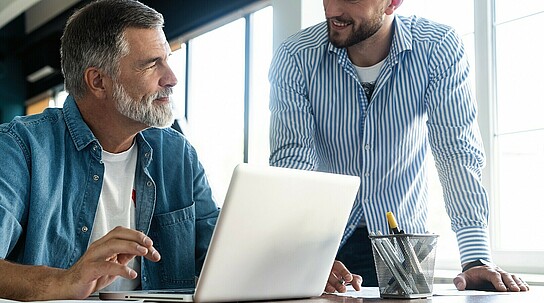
51, 179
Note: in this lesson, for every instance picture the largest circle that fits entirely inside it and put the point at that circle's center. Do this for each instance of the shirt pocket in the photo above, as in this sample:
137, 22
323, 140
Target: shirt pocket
173, 235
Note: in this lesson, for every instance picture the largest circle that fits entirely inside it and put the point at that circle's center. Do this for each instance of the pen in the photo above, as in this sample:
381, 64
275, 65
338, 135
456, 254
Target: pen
393, 226
396, 270
409, 254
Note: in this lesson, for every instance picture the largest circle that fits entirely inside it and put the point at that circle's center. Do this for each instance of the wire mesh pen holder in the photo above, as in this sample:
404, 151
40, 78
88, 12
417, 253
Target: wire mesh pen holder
404, 264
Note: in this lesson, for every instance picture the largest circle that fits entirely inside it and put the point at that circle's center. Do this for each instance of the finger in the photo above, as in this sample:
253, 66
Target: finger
357, 282
460, 282
520, 283
340, 270
153, 254
509, 281
335, 283
113, 247
127, 234
329, 288
85, 271
524, 286
106, 268
124, 259
499, 279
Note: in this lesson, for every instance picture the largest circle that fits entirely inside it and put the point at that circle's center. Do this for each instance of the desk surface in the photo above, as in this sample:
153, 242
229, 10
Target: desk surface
534, 295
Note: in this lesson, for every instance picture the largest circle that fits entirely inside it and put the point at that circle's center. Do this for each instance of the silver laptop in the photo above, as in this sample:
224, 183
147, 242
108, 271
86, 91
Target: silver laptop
276, 237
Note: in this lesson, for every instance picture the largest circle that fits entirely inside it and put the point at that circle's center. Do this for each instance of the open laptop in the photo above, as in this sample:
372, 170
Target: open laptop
276, 237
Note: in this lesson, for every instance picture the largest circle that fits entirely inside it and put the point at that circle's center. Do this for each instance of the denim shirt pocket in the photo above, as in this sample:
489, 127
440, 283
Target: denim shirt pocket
173, 235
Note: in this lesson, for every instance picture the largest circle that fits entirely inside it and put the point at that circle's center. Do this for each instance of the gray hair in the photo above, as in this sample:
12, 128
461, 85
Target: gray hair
94, 37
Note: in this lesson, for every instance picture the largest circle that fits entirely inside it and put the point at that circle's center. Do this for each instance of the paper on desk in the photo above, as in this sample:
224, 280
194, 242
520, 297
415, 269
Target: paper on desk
365, 292
438, 290
450, 290
69, 301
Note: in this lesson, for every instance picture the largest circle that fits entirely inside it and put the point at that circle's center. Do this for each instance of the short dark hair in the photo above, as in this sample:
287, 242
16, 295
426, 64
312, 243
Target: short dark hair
94, 37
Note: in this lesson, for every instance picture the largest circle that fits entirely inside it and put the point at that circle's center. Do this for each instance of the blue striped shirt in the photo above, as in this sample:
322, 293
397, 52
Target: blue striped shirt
321, 120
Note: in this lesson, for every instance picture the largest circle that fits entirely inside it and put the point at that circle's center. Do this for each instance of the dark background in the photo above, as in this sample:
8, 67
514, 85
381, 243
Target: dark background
22, 54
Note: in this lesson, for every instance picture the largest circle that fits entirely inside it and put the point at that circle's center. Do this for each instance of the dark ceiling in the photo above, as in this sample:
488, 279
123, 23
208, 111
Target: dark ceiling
41, 47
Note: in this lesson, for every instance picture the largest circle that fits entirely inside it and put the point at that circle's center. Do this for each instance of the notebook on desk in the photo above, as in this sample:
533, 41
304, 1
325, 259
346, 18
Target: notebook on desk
276, 237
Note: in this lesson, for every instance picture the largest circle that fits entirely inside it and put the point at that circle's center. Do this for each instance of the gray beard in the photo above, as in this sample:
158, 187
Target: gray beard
144, 111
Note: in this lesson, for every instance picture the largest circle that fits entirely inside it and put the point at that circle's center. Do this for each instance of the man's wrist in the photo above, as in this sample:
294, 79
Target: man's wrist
479, 262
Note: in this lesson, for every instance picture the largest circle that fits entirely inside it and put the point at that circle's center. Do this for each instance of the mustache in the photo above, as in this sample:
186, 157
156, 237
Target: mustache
166, 92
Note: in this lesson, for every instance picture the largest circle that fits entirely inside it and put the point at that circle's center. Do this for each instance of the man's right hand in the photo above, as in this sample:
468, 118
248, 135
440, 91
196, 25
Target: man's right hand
340, 276
102, 263
104, 260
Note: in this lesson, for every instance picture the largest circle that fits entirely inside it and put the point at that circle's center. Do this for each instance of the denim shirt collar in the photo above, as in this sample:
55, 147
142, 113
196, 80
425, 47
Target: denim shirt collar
79, 131
82, 135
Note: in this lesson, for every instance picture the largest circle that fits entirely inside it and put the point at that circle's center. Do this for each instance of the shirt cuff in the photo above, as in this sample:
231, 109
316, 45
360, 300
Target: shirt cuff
473, 244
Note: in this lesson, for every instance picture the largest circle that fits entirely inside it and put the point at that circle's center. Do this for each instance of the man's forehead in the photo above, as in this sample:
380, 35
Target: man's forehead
144, 35
148, 40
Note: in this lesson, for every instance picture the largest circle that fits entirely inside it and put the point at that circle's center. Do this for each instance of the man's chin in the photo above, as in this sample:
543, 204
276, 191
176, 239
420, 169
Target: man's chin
165, 124
336, 40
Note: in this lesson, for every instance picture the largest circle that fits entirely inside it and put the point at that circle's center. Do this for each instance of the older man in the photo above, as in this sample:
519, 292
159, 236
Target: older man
89, 194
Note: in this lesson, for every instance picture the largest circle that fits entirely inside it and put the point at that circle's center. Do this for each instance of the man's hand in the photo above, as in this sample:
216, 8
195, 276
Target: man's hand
340, 276
488, 277
104, 260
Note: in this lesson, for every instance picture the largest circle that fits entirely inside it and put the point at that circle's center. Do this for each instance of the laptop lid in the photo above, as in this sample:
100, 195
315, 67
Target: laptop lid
276, 236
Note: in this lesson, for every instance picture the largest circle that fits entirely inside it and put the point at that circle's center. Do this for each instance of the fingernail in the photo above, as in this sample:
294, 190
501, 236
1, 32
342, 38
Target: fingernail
142, 249
156, 255
132, 273
148, 241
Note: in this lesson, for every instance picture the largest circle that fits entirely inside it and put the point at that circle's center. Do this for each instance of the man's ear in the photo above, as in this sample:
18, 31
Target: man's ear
96, 82
393, 6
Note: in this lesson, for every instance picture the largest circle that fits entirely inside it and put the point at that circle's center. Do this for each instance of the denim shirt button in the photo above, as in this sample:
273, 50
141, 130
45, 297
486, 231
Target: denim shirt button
149, 183
84, 229
96, 177
147, 155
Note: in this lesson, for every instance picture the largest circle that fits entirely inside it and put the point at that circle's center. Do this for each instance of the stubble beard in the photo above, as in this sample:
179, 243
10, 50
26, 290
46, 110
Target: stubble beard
358, 34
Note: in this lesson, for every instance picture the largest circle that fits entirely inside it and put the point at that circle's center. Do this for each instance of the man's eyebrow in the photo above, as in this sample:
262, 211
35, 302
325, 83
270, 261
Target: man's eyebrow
148, 61
145, 62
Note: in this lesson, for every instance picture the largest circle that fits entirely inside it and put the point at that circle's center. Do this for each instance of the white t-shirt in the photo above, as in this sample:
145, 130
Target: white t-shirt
116, 206
368, 76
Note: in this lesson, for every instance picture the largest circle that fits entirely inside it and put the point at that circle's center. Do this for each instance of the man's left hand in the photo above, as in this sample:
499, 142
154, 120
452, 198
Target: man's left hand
489, 277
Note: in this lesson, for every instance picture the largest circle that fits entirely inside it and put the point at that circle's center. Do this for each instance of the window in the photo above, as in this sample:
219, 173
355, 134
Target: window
518, 134
51, 98
222, 103
509, 119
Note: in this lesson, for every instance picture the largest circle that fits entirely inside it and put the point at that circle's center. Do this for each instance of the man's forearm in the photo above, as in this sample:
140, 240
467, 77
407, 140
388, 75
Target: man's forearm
29, 283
